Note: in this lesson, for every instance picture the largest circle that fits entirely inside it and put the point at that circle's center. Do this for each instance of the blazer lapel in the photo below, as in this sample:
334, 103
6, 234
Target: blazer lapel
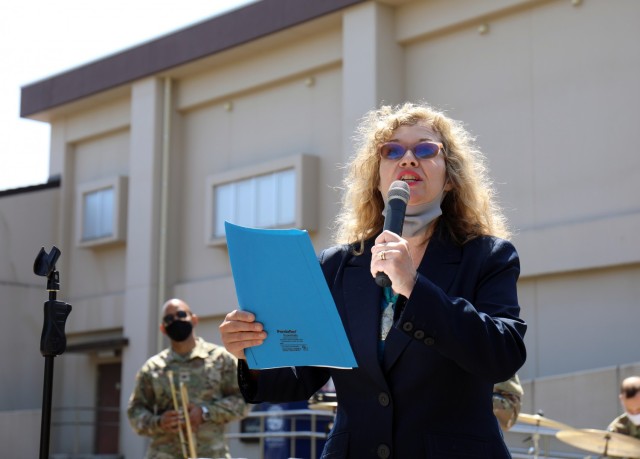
439, 264
362, 307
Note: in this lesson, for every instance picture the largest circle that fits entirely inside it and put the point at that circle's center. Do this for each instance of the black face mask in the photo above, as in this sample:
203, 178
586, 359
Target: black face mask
179, 330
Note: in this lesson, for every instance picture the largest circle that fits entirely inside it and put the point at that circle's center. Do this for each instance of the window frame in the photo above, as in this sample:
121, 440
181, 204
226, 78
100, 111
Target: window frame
306, 191
119, 184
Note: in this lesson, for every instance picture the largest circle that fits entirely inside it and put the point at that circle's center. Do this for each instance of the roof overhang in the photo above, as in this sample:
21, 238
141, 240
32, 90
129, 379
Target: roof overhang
109, 76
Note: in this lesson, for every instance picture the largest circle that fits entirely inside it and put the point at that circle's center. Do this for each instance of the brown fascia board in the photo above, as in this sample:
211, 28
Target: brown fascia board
195, 42
53, 182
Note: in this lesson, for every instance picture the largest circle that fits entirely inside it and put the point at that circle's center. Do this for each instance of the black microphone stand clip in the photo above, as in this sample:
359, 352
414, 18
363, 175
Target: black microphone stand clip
53, 340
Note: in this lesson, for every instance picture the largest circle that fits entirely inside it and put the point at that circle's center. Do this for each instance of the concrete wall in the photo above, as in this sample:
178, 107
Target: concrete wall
27, 223
548, 88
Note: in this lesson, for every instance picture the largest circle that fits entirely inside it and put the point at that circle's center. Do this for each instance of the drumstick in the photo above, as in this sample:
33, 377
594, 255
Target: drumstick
177, 408
185, 404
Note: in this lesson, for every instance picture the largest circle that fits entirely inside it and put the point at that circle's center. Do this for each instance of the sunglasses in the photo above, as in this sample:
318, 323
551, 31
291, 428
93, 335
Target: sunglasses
170, 318
394, 151
630, 392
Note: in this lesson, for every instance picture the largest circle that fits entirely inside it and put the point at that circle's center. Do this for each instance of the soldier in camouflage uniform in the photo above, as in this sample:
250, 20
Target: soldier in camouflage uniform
507, 399
628, 423
209, 375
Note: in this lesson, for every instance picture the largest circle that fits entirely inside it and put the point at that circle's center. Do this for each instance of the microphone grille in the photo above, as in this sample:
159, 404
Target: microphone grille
399, 190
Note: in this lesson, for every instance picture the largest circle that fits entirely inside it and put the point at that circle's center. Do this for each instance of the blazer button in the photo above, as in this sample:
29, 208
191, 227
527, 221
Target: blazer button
429, 341
384, 451
418, 334
383, 399
407, 326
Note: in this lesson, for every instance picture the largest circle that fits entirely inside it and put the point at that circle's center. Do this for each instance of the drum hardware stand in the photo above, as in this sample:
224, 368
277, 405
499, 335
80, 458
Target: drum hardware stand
535, 449
607, 439
53, 340
535, 437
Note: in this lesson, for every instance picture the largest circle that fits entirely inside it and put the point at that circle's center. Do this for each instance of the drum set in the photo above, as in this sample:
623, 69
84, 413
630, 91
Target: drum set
324, 401
605, 444
327, 401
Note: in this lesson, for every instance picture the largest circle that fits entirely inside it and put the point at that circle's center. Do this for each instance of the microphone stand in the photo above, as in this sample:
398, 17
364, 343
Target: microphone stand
53, 340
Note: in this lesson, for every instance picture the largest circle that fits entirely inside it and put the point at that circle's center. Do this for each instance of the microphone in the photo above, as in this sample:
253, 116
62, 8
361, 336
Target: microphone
397, 200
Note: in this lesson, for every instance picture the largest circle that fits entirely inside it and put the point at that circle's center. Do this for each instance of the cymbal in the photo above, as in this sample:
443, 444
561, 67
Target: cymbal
601, 442
541, 421
329, 406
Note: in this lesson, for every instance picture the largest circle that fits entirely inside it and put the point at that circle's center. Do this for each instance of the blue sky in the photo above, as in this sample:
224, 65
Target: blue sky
40, 38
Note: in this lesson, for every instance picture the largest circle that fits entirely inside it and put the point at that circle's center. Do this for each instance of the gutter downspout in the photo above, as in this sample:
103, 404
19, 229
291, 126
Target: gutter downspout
164, 200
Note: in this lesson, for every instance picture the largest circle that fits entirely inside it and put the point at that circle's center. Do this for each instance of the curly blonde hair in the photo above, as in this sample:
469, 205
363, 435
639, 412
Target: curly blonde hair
469, 209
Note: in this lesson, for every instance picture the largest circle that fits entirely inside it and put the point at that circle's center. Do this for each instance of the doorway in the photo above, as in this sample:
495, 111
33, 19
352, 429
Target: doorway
108, 409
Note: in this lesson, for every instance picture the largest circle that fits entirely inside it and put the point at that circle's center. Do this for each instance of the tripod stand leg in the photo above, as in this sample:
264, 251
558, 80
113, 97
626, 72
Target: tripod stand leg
46, 407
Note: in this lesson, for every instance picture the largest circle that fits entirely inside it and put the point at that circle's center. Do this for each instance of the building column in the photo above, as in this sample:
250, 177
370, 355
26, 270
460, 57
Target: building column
142, 304
372, 64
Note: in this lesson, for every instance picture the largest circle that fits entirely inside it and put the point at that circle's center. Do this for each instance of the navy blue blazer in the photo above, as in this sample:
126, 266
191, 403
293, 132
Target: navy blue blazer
457, 335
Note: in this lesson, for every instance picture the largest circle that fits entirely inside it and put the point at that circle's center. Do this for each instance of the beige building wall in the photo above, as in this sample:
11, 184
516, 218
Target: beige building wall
28, 221
540, 88
548, 88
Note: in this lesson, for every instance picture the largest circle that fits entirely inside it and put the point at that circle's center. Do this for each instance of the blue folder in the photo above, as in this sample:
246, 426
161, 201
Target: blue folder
278, 278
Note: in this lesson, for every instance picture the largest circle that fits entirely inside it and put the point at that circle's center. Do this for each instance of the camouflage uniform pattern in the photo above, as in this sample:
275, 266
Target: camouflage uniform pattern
507, 400
209, 374
623, 425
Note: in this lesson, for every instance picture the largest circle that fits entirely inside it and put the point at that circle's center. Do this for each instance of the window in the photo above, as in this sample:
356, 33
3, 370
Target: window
102, 212
279, 194
97, 213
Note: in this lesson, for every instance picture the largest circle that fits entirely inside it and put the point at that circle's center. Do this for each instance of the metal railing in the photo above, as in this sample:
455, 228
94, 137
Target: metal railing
294, 416
89, 419
74, 430
537, 440
79, 419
